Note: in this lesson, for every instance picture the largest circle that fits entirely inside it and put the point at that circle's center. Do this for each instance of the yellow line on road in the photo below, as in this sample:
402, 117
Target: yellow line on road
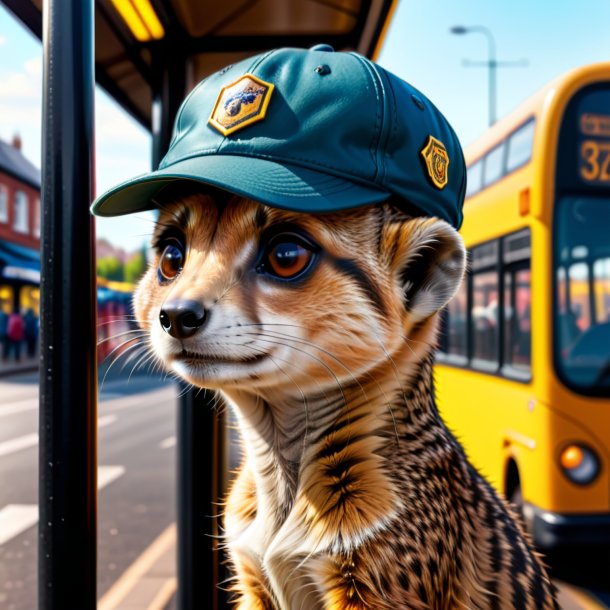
134, 573
165, 593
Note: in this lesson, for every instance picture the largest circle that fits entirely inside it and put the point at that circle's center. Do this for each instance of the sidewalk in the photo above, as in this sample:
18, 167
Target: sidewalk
25, 365
150, 582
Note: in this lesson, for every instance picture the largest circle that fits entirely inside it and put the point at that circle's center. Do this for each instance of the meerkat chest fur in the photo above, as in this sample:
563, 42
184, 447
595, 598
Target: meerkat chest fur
319, 332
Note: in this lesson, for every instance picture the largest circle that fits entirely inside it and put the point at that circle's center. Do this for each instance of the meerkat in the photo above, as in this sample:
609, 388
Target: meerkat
307, 239
319, 331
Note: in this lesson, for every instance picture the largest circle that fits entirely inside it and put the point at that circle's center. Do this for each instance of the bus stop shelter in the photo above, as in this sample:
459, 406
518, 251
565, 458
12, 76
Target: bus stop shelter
147, 54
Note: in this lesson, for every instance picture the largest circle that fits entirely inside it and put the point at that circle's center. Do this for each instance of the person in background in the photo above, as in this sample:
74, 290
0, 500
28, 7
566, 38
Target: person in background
30, 321
3, 333
16, 334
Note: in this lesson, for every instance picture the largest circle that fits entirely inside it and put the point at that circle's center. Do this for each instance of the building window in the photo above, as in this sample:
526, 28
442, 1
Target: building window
3, 203
37, 218
6, 299
21, 223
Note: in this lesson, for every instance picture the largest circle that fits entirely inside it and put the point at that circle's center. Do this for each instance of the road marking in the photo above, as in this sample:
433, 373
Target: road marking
31, 440
170, 441
18, 444
143, 400
137, 570
108, 474
106, 420
165, 593
29, 404
112, 400
16, 518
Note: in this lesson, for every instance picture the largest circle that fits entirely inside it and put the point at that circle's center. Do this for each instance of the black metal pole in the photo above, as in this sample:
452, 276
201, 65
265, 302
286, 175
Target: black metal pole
201, 467
68, 371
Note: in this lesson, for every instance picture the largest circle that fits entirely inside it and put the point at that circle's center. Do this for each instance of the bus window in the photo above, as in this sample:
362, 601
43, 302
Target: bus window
455, 328
582, 319
494, 165
474, 178
520, 145
578, 274
517, 319
485, 319
601, 286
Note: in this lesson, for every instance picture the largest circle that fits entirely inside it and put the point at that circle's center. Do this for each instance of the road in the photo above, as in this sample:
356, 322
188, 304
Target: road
136, 479
136, 494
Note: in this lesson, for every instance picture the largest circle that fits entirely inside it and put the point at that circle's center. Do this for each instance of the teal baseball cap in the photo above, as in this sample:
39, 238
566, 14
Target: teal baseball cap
311, 131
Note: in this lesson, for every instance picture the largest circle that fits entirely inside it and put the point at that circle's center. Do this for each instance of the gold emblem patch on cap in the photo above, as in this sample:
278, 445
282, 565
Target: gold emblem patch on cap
437, 161
240, 104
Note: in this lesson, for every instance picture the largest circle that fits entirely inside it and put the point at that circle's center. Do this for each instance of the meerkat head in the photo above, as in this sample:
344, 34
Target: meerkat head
240, 294
312, 277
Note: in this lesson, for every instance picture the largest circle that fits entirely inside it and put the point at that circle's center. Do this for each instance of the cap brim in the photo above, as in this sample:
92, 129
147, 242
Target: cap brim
279, 185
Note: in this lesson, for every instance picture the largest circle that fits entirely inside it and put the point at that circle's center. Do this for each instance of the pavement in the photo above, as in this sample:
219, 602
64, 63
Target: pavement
136, 482
10, 368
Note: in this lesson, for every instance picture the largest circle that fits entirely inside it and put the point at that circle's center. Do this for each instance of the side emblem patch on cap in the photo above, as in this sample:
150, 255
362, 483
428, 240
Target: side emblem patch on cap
437, 162
240, 104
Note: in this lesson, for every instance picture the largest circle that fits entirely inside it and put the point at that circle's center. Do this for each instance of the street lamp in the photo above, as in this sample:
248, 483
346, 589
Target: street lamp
491, 62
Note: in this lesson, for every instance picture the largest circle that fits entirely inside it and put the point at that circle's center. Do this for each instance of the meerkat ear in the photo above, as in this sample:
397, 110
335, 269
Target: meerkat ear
431, 260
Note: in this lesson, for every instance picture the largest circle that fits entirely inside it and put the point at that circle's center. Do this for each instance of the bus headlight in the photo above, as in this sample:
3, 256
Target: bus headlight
579, 463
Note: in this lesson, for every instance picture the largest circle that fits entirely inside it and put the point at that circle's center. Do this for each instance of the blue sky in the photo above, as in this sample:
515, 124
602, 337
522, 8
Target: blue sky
553, 35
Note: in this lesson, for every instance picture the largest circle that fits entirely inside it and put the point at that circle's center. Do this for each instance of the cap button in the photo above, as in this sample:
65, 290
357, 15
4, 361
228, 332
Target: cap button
322, 47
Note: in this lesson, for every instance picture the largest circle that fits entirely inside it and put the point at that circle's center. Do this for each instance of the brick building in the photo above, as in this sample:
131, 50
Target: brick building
19, 230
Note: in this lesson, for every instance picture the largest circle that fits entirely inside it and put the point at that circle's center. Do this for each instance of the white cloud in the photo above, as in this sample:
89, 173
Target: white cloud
34, 67
19, 85
21, 106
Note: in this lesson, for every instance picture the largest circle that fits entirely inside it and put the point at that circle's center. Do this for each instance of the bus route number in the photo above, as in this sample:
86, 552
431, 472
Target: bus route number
595, 161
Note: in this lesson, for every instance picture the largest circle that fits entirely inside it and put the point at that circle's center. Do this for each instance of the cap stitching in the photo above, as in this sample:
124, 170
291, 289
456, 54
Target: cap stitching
299, 161
393, 130
374, 145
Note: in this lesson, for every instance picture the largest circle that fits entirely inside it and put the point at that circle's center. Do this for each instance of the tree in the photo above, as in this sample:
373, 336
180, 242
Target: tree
135, 266
111, 268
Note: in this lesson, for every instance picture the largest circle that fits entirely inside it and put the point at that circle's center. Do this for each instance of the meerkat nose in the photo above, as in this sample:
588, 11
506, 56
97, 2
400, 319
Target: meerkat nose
182, 319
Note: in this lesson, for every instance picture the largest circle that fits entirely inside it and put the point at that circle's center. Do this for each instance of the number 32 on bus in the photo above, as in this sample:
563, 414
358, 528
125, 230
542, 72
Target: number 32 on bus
523, 369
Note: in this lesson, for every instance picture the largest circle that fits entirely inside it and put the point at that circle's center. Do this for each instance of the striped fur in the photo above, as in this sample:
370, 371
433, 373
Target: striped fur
353, 494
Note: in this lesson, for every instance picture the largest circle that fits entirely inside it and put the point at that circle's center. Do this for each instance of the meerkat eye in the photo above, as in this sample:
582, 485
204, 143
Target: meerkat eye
171, 261
287, 257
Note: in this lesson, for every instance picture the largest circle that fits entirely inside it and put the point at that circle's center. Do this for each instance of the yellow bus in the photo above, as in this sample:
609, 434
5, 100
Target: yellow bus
523, 369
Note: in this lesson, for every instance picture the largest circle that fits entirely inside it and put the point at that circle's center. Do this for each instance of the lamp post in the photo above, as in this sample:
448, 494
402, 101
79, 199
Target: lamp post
491, 64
